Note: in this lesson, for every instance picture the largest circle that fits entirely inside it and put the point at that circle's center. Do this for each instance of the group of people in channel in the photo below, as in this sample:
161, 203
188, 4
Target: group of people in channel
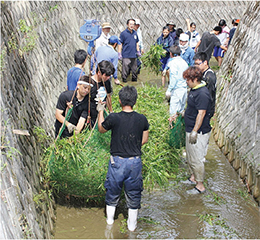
187, 65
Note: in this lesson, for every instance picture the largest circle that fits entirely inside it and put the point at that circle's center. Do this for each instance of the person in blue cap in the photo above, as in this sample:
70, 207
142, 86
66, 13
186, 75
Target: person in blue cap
108, 53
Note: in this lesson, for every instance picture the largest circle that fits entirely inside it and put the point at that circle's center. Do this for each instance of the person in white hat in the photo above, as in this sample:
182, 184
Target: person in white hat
187, 53
141, 46
103, 39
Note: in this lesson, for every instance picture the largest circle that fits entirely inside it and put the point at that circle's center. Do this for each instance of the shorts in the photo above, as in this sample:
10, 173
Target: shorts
127, 171
218, 52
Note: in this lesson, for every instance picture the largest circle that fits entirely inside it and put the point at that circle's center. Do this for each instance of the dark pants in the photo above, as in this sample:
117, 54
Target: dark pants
127, 65
127, 171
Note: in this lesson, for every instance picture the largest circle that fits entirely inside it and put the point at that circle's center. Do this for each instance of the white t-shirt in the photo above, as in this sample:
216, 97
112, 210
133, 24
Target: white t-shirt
102, 40
224, 35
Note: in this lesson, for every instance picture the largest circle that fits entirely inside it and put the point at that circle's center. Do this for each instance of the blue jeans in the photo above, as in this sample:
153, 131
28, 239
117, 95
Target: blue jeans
127, 171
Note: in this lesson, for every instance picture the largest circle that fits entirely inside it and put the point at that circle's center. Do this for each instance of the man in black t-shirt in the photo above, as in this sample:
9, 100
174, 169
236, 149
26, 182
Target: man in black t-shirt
129, 133
80, 108
208, 76
208, 41
101, 79
197, 127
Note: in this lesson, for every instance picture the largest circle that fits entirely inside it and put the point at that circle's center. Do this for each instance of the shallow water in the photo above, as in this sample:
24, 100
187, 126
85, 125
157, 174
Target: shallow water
175, 214
228, 211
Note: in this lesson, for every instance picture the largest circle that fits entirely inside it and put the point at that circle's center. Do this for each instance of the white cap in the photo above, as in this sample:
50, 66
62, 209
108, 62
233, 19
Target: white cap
184, 37
137, 21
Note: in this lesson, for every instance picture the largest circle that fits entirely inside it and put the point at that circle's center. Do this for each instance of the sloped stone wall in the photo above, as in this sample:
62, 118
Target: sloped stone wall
38, 40
237, 129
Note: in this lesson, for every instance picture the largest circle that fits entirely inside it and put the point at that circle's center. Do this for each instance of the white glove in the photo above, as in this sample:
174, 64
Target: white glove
100, 107
168, 95
193, 137
71, 127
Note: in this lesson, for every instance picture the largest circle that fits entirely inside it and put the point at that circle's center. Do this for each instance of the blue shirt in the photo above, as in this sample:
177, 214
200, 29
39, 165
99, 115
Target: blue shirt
129, 41
177, 66
109, 54
73, 76
188, 56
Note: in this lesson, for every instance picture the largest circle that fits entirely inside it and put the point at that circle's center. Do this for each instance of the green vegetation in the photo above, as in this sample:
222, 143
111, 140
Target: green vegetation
151, 59
5, 147
2, 58
29, 37
77, 166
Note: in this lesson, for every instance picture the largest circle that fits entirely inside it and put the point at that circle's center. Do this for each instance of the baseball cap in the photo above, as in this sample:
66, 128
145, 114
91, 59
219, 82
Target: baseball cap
237, 21
106, 25
114, 39
137, 21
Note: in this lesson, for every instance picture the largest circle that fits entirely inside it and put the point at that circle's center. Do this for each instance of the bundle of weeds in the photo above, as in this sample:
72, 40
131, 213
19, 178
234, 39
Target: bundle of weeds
151, 59
79, 168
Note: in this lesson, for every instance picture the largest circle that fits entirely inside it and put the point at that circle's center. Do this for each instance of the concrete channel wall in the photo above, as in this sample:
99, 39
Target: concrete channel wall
38, 40
237, 126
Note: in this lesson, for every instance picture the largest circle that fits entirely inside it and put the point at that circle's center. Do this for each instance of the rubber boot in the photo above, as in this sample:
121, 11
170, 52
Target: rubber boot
132, 219
110, 214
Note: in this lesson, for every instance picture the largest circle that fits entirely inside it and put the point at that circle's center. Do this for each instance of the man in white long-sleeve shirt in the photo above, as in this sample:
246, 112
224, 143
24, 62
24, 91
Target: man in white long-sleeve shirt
177, 89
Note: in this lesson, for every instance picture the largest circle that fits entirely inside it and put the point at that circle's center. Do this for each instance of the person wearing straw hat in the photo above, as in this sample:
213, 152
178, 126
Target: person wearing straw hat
79, 99
103, 39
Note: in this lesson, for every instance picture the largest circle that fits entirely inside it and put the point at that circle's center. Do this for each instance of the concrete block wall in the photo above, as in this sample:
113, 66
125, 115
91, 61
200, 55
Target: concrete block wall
237, 128
32, 79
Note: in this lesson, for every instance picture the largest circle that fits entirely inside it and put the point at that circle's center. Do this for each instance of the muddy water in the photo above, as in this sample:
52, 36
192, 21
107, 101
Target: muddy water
228, 212
224, 211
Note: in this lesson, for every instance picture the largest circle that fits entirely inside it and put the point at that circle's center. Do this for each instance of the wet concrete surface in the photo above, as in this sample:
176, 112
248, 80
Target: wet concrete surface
224, 211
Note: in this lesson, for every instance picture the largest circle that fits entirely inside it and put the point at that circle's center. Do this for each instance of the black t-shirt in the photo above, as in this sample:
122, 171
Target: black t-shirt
198, 99
80, 109
208, 42
210, 78
94, 91
127, 133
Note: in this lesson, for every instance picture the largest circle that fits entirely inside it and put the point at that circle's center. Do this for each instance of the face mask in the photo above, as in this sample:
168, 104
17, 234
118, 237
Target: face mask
183, 48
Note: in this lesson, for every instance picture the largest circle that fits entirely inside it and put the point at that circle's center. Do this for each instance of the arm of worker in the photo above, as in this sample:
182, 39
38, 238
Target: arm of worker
145, 137
198, 44
188, 24
199, 120
109, 102
173, 79
80, 125
58, 114
198, 123
101, 118
223, 47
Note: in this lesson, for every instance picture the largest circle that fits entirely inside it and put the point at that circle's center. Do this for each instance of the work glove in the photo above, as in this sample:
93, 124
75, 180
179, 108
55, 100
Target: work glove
119, 56
164, 72
193, 137
101, 107
139, 54
71, 127
168, 95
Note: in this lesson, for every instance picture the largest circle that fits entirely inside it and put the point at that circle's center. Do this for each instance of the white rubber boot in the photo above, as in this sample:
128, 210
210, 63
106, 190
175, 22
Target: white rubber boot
110, 214
132, 219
